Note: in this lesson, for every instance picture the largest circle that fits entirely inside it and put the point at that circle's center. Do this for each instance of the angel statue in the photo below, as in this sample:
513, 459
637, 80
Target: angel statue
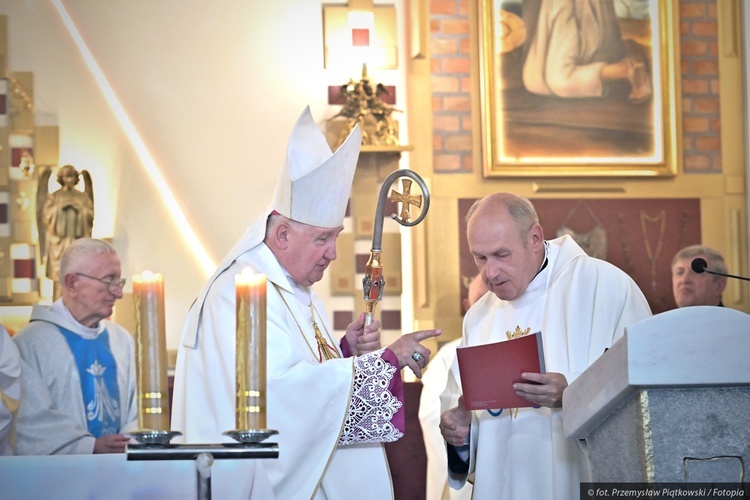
62, 216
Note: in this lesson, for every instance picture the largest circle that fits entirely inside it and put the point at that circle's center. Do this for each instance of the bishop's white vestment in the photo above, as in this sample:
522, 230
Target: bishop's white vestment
327, 448
581, 305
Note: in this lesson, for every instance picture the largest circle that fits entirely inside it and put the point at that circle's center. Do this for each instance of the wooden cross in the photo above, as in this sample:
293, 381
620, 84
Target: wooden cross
406, 199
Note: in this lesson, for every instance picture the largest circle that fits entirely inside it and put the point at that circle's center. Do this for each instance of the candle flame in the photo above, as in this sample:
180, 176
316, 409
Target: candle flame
248, 273
248, 277
146, 278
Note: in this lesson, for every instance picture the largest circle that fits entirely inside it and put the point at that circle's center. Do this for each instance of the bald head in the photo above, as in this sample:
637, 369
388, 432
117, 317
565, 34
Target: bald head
519, 209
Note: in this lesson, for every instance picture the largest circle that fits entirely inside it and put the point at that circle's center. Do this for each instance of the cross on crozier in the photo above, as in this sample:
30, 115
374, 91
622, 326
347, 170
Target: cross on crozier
406, 199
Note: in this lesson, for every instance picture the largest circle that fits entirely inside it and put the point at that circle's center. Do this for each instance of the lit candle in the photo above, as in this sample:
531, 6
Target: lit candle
251, 350
151, 352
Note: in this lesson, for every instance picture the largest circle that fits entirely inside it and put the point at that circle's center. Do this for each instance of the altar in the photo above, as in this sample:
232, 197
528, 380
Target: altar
113, 477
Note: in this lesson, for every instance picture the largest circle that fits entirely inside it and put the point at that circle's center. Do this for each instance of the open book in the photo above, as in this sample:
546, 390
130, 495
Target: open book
489, 371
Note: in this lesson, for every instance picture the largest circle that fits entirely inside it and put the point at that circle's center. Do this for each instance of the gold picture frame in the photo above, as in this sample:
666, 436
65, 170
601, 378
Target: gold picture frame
543, 119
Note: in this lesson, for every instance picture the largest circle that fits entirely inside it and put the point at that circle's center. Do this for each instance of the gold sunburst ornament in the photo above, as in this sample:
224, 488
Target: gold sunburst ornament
517, 333
514, 335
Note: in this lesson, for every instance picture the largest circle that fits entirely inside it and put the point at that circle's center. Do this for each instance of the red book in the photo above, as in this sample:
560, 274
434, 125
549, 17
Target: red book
489, 371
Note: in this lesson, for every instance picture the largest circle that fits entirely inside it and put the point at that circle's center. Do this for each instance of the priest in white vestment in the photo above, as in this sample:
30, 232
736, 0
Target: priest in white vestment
580, 304
333, 404
434, 380
78, 380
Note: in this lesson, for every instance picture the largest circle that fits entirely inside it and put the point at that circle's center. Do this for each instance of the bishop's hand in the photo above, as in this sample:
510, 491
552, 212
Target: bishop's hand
363, 339
411, 353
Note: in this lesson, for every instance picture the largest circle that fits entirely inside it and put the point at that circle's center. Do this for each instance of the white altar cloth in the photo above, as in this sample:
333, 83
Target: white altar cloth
113, 477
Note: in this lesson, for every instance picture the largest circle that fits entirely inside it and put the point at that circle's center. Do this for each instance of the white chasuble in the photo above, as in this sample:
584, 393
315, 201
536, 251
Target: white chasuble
581, 305
307, 400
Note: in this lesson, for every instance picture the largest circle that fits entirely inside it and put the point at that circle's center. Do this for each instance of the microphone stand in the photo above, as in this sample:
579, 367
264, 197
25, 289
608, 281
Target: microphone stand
700, 266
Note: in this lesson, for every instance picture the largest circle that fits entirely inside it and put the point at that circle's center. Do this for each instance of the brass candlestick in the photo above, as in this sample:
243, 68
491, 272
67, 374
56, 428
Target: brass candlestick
151, 360
250, 305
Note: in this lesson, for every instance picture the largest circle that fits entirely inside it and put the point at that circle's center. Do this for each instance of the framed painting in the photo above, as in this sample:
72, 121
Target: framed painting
579, 87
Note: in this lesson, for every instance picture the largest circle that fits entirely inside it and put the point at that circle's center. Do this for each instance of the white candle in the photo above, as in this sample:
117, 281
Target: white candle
151, 352
251, 350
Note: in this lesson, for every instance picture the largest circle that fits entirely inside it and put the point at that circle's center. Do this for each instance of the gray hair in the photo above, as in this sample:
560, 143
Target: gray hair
81, 251
714, 259
274, 219
520, 209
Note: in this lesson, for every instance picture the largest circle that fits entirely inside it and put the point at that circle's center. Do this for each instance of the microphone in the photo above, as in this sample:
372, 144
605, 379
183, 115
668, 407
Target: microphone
700, 265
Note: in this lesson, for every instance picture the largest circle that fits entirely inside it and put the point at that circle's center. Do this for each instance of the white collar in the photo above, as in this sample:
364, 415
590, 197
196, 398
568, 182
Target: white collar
59, 308
302, 294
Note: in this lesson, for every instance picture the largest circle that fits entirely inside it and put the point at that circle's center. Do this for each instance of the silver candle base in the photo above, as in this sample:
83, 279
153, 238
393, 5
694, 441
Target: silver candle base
148, 436
249, 436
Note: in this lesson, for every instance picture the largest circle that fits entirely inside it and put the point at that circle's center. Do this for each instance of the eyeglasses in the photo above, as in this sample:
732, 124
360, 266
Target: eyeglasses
112, 284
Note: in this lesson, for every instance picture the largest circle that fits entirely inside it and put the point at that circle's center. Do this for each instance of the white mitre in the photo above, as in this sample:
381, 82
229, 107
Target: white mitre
314, 185
313, 188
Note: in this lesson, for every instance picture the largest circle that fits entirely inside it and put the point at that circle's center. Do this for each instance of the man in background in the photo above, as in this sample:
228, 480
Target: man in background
434, 381
78, 382
698, 289
581, 305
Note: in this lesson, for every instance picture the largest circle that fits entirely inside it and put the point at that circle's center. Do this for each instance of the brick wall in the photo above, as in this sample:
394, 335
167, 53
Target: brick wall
452, 85
701, 134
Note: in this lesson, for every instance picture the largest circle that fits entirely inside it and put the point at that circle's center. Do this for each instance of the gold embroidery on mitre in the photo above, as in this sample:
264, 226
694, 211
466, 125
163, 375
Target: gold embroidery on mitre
517, 333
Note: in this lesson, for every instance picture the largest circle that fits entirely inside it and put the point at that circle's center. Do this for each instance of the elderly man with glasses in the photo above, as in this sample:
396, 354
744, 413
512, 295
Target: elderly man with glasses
78, 377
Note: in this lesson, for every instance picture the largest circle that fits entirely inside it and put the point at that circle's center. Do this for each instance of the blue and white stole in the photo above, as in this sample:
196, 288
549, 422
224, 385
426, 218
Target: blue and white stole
98, 373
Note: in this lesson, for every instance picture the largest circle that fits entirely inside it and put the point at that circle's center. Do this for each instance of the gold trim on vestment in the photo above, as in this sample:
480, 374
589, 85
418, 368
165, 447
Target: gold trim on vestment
329, 352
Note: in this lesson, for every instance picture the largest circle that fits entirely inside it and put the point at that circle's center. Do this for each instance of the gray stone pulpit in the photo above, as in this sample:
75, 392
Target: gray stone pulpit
669, 401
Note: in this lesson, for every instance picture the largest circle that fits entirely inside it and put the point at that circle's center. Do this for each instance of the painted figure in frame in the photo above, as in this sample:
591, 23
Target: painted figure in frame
579, 76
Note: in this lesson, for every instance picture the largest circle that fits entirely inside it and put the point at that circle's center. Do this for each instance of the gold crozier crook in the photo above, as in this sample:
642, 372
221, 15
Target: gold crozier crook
374, 282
